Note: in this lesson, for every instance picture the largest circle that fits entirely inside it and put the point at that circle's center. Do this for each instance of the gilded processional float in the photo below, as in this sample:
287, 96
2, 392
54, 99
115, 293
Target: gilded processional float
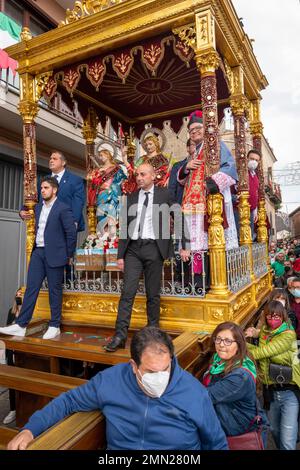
143, 64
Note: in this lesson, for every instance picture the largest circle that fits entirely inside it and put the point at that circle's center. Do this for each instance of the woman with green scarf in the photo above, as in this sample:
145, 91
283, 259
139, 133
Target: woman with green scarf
231, 381
278, 347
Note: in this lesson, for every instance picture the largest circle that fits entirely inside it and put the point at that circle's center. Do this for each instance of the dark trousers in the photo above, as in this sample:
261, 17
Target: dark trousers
141, 256
37, 271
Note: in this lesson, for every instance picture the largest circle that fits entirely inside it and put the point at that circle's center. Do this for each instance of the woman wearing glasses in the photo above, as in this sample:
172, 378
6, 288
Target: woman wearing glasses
278, 347
231, 381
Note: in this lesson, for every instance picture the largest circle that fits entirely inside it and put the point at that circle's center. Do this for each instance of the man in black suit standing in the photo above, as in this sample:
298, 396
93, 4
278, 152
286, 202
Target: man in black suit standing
145, 242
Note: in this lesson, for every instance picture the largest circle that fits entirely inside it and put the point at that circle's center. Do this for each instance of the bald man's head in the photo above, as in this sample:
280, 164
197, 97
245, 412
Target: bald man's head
145, 176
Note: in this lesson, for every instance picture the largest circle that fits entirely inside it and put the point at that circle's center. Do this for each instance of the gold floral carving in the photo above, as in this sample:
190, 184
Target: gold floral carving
229, 76
207, 62
89, 128
28, 110
241, 303
262, 233
216, 238
187, 34
25, 34
205, 30
30, 230
92, 222
31, 89
216, 243
86, 8
239, 104
217, 314
41, 81
255, 111
262, 285
238, 80
256, 128
244, 213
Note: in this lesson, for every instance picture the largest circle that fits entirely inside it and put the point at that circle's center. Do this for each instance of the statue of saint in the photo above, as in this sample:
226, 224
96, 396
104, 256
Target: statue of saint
155, 157
105, 192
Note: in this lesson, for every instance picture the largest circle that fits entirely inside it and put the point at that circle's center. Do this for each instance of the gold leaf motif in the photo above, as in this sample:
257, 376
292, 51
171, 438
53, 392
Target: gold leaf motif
217, 313
187, 34
86, 8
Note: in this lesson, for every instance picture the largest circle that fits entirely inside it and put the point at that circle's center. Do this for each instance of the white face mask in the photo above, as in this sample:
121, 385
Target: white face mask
252, 165
155, 383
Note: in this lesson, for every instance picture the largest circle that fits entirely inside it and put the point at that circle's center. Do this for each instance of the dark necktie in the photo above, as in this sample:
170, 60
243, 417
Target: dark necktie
143, 214
56, 177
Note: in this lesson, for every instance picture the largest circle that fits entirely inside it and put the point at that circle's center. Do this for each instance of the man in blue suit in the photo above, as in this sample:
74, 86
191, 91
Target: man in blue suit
55, 243
71, 189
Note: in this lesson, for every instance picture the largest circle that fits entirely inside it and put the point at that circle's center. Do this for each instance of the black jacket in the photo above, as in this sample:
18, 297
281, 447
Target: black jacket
163, 209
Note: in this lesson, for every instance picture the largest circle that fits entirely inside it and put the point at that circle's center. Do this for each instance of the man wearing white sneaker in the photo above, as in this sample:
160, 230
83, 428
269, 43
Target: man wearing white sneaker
54, 246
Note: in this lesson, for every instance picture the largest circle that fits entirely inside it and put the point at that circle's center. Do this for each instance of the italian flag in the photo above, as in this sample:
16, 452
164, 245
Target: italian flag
9, 35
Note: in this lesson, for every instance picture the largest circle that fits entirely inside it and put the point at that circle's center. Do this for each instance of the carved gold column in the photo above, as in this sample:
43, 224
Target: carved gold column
240, 107
207, 61
256, 129
216, 243
31, 89
89, 132
28, 109
201, 37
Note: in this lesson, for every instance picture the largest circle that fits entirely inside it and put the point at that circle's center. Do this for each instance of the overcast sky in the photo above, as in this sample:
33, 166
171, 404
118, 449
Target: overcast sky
275, 26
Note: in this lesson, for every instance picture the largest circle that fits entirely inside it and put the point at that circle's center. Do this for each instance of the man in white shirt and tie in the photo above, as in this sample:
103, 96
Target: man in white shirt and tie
54, 246
145, 242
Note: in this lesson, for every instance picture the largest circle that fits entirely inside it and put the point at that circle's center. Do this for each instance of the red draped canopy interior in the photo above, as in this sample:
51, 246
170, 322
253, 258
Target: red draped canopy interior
152, 81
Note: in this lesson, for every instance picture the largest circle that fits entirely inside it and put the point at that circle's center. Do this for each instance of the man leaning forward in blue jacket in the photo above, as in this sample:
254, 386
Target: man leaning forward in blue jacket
149, 403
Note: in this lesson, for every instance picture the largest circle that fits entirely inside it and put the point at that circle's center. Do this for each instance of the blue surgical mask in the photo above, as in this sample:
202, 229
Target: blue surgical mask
295, 293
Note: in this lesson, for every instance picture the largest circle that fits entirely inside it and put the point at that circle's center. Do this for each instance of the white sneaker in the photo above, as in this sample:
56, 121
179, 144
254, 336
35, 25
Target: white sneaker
10, 417
14, 330
51, 332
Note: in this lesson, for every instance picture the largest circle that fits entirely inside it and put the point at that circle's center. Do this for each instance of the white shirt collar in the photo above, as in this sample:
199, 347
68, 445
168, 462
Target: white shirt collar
48, 206
151, 191
60, 174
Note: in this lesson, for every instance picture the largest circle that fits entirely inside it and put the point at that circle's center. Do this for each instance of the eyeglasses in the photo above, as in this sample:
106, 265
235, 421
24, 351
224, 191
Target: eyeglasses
226, 341
274, 316
196, 129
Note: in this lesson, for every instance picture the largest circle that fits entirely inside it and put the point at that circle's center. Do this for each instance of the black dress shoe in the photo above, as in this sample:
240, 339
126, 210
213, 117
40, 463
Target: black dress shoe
115, 343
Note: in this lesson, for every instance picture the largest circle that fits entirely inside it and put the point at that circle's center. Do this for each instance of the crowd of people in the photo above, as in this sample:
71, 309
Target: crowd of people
251, 385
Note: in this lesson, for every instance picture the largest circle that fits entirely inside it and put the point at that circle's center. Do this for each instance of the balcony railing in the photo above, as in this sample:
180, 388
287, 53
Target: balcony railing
178, 279
260, 266
238, 269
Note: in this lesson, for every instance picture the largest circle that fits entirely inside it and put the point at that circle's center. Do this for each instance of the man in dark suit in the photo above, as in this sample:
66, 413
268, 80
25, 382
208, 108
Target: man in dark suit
145, 242
71, 189
55, 243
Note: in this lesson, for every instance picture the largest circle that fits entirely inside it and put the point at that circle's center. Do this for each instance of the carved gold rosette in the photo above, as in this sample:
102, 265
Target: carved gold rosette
216, 243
